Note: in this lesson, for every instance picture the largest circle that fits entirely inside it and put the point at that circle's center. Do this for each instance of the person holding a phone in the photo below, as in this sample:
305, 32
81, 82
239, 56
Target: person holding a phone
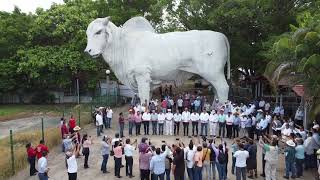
157, 163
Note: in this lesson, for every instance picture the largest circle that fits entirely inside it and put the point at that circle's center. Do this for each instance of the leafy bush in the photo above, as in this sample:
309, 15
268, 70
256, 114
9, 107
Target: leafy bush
43, 97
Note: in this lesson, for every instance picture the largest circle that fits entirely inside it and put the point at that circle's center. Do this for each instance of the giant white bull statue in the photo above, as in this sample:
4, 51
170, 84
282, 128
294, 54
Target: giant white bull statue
142, 58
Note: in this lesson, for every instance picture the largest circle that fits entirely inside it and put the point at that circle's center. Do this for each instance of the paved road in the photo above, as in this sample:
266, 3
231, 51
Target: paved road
23, 124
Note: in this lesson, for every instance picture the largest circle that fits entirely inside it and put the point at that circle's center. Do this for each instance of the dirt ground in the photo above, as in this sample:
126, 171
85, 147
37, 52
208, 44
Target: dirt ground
58, 169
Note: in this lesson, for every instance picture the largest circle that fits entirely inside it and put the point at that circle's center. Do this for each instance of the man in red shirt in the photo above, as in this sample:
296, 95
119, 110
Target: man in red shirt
41, 148
31, 159
72, 124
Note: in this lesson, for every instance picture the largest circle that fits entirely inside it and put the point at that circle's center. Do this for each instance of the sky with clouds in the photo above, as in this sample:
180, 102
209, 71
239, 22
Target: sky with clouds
26, 5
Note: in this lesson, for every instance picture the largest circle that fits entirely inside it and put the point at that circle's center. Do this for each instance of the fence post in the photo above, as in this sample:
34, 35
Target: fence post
42, 129
12, 154
79, 116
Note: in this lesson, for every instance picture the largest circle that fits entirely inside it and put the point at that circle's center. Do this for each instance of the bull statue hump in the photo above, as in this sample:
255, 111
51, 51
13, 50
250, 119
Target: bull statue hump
142, 58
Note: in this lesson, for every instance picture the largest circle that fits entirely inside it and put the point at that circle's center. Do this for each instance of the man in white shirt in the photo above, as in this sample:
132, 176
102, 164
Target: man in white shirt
109, 116
161, 119
72, 165
154, 120
229, 124
43, 166
204, 119
213, 122
189, 158
185, 118
128, 153
146, 117
99, 123
180, 104
177, 119
241, 156
169, 123
194, 117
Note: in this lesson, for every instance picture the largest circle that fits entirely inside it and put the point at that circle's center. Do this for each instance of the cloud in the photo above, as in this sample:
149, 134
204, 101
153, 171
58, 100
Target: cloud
27, 5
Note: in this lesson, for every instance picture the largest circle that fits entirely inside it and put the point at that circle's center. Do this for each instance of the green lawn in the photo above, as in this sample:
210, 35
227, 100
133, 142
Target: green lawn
11, 110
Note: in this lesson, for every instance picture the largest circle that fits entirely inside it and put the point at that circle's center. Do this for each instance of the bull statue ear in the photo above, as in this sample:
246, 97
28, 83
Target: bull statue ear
106, 20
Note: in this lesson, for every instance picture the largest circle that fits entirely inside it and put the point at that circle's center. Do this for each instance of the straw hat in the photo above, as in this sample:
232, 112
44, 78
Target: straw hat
316, 126
291, 143
259, 110
77, 128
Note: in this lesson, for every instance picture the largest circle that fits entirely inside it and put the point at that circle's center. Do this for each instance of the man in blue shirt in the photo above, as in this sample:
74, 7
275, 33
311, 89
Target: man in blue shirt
261, 127
157, 164
236, 125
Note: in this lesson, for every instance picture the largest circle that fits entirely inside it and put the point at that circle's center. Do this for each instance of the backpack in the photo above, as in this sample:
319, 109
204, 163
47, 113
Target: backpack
222, 157
213, 155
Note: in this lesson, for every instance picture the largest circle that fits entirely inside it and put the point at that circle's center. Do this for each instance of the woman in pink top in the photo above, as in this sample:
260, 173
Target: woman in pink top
117, 158
138, 120
198, 164
86, 143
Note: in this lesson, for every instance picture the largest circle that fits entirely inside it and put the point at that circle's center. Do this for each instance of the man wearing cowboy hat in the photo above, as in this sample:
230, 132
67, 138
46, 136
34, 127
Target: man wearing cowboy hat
289, 159
213, 121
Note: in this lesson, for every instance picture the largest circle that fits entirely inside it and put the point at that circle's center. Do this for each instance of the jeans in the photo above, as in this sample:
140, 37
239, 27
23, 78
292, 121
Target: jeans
104, 163
213, 169
299, 167
206, 168
32, 162
144, 174
190, 173
158, 176
146, 127
72, 176
129, 164
109, 122
167, 172
154, 127
98, 130
222, 128
290, 168
138, 125
176, 128
117, 166
121, 126
86, 157
263, 164
233, 164
185, 128
160, 128
241, 172
105, 122
197, 173
194, 128
131, 124
221, 171
235, 131
229, 131
42, 176
204, 127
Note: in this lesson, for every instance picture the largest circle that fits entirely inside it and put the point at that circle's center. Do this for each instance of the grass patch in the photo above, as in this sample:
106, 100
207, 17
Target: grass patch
52, 138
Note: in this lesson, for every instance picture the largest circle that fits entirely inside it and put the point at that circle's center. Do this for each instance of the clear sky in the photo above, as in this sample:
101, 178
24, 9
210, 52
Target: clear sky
26, 5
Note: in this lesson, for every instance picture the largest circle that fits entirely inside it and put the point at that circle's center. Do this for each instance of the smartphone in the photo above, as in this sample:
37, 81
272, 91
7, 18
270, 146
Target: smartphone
177, 139
163, 141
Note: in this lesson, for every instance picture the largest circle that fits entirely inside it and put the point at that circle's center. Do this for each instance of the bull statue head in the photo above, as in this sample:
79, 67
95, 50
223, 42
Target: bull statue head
98, 36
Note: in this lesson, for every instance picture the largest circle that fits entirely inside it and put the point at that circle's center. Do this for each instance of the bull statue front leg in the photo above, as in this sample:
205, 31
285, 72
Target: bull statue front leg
143, 81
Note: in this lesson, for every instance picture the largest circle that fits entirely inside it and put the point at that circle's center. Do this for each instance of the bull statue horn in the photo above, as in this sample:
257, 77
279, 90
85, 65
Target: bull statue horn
106, 20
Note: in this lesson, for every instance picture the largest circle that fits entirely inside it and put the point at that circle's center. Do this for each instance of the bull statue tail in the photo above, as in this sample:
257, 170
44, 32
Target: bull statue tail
228, 56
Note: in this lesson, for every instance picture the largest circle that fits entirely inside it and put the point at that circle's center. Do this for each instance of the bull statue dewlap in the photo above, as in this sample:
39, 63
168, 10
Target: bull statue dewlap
142, 58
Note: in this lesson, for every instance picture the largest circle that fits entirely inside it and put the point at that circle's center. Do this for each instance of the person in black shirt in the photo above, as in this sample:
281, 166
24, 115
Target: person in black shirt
178, 167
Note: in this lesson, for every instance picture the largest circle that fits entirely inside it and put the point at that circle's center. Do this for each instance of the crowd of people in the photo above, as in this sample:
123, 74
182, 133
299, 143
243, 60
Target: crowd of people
206, 155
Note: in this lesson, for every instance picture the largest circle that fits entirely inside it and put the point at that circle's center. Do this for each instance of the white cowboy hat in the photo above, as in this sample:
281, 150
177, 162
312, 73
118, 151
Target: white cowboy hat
77, 128
291, 143
169, 110
315, 126
259, 110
